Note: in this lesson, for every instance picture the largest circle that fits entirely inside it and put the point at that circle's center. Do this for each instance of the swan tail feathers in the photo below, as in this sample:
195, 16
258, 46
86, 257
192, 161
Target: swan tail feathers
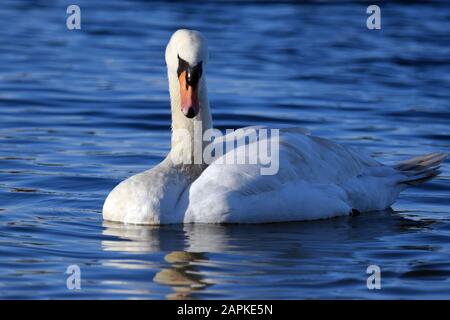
421, 169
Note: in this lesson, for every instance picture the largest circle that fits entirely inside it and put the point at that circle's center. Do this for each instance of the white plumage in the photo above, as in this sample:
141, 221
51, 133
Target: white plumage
317, 178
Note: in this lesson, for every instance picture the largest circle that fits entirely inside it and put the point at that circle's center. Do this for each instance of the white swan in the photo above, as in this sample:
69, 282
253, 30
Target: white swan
317, 178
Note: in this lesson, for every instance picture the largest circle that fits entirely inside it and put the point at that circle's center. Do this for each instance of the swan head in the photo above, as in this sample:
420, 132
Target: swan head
186, 58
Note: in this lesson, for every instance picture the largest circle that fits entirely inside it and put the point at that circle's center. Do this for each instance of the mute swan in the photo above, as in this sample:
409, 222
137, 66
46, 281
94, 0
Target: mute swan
316, 178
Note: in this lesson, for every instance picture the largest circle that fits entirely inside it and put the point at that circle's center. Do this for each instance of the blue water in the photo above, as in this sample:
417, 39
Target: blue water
82, 110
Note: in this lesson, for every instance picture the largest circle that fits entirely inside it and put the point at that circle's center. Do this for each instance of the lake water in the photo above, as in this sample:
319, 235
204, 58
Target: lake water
82, 110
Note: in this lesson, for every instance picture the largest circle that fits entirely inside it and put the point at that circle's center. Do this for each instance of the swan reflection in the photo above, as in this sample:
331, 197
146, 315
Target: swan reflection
197, 256
182, 276
186, 246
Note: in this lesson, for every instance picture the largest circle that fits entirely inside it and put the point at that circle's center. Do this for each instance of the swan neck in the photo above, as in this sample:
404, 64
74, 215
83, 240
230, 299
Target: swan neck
186, 143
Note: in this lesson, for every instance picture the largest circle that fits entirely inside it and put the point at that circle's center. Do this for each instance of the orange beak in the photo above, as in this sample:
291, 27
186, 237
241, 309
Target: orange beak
189, 97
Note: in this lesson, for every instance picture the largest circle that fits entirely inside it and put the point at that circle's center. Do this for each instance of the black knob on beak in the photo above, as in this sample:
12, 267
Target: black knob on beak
190, 78
193, 74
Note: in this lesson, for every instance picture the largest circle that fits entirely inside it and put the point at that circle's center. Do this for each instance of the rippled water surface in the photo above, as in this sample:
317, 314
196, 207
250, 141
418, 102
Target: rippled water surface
82, 110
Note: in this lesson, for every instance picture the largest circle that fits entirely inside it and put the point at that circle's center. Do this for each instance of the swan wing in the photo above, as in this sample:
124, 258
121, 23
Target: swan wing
316, 179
